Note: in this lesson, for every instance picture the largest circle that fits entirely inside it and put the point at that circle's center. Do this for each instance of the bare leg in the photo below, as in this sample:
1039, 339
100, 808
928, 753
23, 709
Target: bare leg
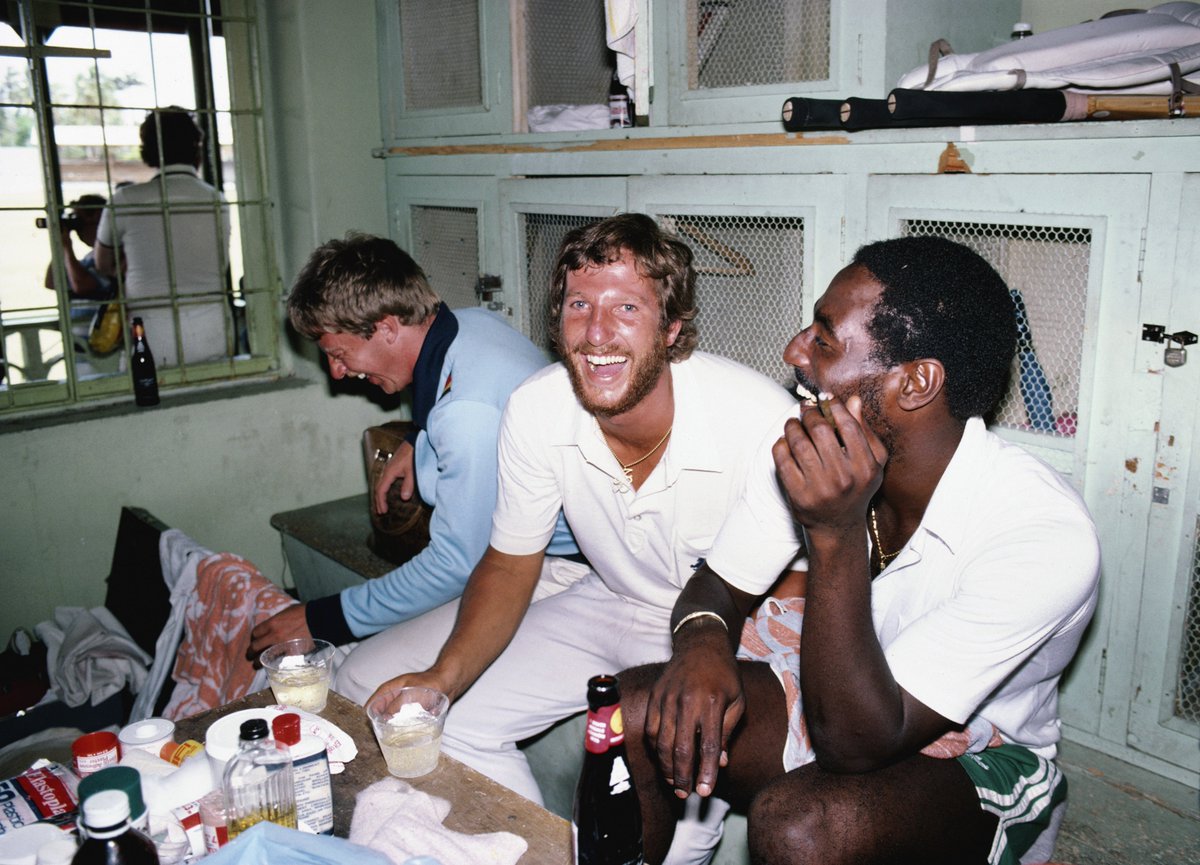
755, 750
919, 810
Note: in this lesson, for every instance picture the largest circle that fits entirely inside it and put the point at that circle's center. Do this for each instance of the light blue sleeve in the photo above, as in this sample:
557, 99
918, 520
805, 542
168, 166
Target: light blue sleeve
462, 438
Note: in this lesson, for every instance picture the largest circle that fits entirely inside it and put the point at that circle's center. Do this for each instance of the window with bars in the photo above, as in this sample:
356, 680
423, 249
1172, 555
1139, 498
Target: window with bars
541, 236
1046, 269
132, 183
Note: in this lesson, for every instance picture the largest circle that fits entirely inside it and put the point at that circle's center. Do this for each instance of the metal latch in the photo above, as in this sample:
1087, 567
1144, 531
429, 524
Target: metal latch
1175, 353
486, 287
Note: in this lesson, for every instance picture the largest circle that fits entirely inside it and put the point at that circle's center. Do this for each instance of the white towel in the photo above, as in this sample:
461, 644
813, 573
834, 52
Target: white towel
90, 655
396, 819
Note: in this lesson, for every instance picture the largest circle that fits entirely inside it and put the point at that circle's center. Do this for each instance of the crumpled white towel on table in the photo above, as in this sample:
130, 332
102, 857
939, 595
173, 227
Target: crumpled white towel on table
90, 655
396, 819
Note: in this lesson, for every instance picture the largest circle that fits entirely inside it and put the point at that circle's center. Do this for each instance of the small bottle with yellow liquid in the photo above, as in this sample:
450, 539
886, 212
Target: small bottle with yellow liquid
258, 781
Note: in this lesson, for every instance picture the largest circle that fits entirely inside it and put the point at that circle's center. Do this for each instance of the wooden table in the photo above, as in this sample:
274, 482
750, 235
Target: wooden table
478, 804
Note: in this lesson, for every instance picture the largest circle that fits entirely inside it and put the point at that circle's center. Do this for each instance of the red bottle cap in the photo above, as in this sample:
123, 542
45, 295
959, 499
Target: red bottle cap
286, 728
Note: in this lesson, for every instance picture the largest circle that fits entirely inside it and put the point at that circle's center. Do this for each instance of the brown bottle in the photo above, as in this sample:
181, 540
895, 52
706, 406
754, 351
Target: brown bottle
608, 820
145, 373
111, 839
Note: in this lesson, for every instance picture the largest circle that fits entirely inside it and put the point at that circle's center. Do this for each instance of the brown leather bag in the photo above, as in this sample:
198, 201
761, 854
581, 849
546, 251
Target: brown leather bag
403, 531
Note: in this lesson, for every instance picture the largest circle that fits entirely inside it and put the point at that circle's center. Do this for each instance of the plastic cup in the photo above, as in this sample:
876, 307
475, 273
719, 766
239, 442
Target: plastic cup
408, 728
299, 672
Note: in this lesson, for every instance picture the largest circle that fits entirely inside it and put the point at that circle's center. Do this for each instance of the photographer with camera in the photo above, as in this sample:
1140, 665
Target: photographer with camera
83, 279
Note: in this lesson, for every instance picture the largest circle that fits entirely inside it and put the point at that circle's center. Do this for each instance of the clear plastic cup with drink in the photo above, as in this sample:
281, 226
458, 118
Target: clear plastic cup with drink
408, 727
299, 672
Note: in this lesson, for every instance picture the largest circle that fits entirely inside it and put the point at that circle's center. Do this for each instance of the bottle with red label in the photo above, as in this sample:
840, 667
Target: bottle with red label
608, 820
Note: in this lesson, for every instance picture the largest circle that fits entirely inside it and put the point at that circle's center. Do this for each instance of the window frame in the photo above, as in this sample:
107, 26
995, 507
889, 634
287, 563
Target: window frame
257, 295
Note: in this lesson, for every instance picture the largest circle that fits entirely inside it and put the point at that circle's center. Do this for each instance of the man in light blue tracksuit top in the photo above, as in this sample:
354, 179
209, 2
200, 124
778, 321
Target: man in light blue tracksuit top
372, 312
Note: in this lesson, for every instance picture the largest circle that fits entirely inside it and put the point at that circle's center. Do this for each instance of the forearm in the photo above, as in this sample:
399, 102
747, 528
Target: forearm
493, 605
853, 707
707, 601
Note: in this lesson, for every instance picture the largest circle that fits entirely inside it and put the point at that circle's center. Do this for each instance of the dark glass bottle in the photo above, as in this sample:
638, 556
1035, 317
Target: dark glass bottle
608, 820
111, 840
620, 109
145, 374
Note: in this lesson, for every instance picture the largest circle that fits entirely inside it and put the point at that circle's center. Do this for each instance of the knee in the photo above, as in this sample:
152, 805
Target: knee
784, 827
353, 681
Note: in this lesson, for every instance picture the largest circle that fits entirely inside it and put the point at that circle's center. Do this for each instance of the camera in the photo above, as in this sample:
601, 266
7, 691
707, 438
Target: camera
66, 222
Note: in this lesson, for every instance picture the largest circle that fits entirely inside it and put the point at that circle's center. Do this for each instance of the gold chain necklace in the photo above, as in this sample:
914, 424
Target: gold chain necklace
627, 468
884, 558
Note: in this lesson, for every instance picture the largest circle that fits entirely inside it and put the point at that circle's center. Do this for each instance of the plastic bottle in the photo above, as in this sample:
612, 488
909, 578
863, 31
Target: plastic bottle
111, 839
608, 820
126, 779
258, 781
145, 373
310, 773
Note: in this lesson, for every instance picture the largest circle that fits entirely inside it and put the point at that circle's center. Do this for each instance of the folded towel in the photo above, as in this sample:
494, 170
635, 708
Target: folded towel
396, 819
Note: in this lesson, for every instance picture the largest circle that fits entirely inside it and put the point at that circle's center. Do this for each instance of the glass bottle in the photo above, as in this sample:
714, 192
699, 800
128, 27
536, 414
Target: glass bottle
619, 111
111, 839
258, 781
1021, 30
608, 820
145, 373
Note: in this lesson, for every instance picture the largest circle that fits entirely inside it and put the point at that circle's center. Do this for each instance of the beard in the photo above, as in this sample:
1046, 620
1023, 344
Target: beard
870, 390
644, 372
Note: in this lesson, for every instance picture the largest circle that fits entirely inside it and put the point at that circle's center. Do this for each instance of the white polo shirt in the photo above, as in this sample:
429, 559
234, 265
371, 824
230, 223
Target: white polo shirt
643, 544
986, 604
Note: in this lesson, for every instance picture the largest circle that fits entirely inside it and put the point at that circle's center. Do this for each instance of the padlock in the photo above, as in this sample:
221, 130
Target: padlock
1174, 355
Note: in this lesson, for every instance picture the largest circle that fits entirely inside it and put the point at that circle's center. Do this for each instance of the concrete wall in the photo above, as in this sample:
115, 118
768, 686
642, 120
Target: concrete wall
218, 467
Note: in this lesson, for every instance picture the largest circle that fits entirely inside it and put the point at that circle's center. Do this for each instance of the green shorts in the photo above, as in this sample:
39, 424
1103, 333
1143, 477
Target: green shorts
1022, 790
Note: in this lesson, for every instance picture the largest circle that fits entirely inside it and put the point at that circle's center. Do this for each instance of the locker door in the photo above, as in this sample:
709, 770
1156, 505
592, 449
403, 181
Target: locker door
764, 247
1069, 247
448, 224
1165, 713
534, 216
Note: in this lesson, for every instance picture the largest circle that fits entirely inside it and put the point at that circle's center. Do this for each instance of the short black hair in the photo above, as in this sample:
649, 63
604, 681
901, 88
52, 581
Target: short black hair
182, 139
942, 300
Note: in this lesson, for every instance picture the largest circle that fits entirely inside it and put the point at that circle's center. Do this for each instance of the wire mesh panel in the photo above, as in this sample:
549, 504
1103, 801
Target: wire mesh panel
740, 43
446, 245
749, 284
1046, 269
567, 59
541, 237
1187, 689
440, 45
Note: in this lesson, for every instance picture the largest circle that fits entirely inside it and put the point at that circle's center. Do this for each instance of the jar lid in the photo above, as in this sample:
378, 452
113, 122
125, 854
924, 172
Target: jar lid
124, 779
286, 728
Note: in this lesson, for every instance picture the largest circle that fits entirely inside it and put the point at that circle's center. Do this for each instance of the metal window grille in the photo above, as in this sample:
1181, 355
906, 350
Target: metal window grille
541, 237
100, 69
1187, 687
440, 45
1046, 269
749, 284
446, 245
740, 43
567, 59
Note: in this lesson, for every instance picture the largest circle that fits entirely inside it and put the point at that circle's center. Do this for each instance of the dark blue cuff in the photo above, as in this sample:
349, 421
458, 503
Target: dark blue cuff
326, 621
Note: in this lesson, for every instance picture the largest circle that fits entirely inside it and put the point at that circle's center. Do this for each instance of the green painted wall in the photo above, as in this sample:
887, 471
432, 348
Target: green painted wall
218, 468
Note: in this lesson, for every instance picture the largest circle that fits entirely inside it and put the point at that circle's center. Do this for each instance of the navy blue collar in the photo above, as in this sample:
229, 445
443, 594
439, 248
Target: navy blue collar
428, 369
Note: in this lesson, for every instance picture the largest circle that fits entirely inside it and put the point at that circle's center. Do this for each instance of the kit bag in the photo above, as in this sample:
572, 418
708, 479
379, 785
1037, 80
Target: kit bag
403, 531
